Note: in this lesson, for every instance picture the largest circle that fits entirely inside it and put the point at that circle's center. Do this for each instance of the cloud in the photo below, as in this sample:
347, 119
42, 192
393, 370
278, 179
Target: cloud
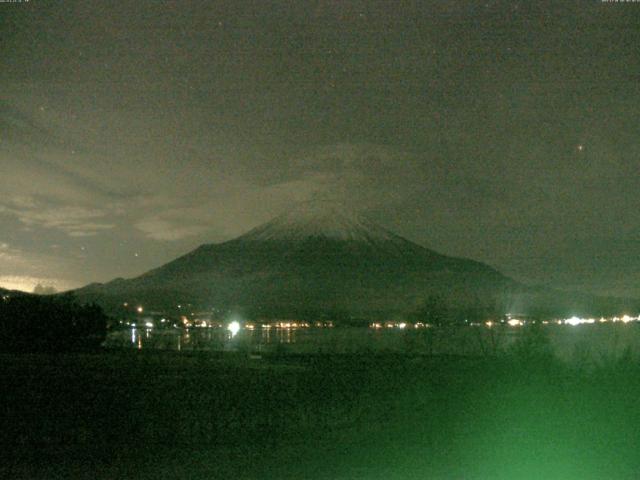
24, 270
43, 289
159, 229
75, 221
27, 283
366, 176
8, 253
225, 212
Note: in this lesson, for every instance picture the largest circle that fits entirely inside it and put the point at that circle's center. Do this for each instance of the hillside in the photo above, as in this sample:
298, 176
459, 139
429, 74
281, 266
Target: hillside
318, 259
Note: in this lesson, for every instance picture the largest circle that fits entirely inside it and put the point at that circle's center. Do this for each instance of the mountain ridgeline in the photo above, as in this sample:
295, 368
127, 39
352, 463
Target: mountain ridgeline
318, 261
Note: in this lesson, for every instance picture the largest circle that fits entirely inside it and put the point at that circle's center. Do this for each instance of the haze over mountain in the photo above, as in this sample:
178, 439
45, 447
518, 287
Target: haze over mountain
318, 259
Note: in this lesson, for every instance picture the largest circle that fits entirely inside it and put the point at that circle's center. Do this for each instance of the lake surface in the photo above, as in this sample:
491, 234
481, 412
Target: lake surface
572, 343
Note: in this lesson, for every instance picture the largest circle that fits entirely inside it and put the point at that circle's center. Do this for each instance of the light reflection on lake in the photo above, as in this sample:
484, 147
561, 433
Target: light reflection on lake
220, 339
568, 342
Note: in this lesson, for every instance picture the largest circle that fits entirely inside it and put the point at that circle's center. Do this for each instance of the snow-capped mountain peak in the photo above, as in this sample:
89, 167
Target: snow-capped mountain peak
320, 220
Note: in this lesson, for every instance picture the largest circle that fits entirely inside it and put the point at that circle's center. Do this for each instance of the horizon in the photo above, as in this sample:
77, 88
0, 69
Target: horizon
320, 208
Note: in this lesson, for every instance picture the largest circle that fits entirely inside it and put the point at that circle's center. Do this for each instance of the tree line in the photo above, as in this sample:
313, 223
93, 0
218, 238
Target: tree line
32, 323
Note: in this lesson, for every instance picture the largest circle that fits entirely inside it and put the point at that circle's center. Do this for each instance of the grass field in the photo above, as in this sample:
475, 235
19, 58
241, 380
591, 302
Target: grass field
150, 415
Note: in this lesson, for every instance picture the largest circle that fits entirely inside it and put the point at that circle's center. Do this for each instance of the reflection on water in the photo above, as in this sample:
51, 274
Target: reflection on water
213, 339
566, 341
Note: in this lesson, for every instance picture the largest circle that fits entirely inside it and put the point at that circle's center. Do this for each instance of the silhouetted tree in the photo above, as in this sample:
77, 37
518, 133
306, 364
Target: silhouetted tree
44, 323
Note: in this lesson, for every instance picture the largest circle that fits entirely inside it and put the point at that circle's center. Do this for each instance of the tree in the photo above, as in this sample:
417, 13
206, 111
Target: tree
51, 323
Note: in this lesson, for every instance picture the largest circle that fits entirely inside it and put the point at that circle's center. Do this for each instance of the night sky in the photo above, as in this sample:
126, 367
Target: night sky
134, 131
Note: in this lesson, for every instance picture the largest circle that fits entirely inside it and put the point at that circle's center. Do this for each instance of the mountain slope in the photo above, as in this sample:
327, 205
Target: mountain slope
315, 258
319, 258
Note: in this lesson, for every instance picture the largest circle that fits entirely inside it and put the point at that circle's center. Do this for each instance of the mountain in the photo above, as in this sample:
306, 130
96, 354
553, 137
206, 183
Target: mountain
13, 293
318, 259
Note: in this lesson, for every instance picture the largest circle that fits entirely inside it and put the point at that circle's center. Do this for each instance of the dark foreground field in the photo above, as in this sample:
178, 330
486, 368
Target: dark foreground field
151, 415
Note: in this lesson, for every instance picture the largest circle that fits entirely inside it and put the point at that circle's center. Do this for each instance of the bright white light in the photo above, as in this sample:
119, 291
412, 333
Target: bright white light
514, 322
140, 309
573, 321
402, 325
626, 318
234, 328
489, 323
149, 324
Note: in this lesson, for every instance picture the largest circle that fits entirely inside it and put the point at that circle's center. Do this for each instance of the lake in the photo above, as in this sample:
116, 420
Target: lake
571, 343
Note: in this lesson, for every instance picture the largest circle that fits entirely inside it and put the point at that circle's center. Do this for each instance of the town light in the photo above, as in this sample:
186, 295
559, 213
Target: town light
234, 328
573, 321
